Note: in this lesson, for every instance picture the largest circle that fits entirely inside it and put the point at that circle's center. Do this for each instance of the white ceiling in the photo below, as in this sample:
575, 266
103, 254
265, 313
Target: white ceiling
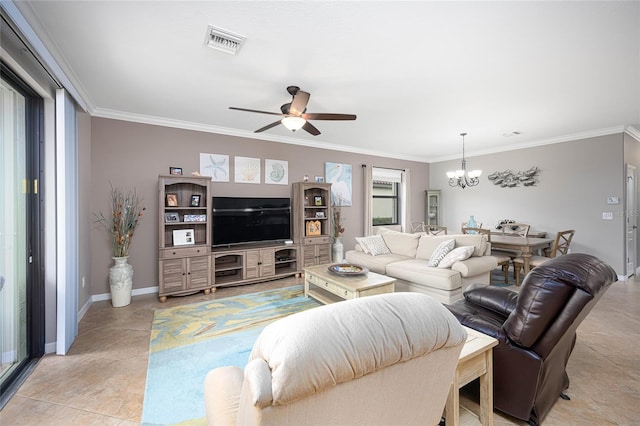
417, 74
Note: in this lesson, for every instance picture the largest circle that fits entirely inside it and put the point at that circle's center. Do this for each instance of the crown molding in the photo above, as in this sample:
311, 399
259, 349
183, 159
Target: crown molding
633, 132
188, 125
541, 142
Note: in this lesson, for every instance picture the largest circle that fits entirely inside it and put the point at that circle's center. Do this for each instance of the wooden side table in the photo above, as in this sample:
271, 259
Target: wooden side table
476, 361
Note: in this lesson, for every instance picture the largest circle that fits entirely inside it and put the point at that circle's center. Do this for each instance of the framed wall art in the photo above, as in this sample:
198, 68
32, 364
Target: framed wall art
216, 166
340, 178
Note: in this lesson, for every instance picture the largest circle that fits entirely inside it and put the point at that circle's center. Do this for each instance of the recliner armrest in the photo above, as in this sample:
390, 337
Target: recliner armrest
496, 299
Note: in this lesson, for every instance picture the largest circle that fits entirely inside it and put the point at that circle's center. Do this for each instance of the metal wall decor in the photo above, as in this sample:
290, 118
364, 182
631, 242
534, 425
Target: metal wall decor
510, 179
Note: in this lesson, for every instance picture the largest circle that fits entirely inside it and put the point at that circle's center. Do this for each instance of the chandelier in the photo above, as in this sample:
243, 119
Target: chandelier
460, 177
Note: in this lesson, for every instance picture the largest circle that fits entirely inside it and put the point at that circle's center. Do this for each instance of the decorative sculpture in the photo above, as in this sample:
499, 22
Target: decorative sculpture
510, 179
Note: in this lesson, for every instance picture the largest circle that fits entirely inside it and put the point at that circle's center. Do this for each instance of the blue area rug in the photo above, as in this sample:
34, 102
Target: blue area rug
497, 278
188, 341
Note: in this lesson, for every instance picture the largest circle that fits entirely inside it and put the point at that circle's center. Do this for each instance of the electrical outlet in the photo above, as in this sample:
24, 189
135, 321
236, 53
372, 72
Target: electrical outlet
607, 215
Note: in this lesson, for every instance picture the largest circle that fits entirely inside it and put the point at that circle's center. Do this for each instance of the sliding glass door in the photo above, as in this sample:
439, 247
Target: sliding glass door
21, 288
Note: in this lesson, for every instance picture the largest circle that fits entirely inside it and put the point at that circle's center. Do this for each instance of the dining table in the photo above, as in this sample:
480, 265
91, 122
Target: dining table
526, 246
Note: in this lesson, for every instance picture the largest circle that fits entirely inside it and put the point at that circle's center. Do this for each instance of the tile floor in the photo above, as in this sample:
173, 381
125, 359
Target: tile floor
102, 379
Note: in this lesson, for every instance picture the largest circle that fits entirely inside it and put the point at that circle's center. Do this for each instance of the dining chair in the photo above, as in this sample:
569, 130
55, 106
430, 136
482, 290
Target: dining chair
560, 246
503, 260
417, 226
435, 229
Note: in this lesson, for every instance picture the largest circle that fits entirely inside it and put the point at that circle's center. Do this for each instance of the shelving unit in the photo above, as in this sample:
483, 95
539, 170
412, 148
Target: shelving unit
312, 218
245, 265
432, 207
184, 237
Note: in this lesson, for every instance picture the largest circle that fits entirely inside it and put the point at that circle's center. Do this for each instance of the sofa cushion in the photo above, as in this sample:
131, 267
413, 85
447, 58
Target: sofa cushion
374, 245
401, 242
361, 244
458, 253
377, 264
417, 272
428, 244
441, 251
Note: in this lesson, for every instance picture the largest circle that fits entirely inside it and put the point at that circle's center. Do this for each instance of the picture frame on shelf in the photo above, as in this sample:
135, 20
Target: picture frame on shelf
195, 200
319, 179
172, 200
170, 217
175, 170
317, 200
195, 217
320, 215
183, 237
313, 228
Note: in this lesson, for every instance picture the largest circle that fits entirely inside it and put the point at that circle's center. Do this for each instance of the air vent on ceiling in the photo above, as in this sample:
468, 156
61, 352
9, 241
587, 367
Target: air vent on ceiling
223, 40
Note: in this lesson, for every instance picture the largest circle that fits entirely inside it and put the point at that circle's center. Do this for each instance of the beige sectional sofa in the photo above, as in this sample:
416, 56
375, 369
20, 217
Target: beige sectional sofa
408, 263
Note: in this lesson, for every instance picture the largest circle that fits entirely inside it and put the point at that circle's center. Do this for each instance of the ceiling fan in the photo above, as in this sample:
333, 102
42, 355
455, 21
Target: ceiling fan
294, 115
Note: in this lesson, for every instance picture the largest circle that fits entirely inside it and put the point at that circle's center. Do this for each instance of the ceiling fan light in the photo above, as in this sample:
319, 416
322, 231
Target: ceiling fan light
293, 123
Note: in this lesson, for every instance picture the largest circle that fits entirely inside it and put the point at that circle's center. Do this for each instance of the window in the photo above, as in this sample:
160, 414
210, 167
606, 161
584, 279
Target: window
386, 196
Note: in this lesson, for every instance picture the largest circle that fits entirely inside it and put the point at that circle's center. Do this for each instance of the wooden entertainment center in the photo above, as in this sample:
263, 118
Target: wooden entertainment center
187, 262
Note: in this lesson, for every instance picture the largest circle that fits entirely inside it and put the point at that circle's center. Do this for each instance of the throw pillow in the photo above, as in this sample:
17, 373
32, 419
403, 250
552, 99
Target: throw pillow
363, 246
460, 253
375, 245
441, 251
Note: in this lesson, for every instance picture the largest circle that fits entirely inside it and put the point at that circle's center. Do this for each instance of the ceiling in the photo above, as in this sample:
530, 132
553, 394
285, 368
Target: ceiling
417, 74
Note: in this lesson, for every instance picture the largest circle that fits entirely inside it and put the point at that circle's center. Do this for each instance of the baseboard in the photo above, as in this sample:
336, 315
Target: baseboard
50, 348
135, 292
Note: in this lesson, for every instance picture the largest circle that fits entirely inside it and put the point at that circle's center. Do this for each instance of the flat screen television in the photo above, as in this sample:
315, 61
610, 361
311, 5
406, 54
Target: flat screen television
243, 220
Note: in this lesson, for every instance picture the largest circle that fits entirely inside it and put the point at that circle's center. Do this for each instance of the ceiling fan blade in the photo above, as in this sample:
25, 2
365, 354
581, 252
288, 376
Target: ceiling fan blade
328, 116
267, 127
299, 102
255, 110
311, 129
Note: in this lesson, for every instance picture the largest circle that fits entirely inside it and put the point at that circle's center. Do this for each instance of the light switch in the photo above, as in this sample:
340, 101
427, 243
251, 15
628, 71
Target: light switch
613, 200
607, 215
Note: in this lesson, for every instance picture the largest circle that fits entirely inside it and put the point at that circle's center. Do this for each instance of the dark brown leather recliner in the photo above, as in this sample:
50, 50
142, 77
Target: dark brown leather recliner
536, 329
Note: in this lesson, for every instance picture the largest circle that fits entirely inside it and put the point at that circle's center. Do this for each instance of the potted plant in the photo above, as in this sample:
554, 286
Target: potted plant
126, 212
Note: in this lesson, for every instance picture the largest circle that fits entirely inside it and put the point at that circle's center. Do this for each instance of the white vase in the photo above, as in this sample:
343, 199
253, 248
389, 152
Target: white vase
337, 250
121, 282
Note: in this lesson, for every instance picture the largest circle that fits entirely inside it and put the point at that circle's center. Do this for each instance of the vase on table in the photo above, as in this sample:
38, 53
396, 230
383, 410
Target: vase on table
472, 224
121, 282
337, 250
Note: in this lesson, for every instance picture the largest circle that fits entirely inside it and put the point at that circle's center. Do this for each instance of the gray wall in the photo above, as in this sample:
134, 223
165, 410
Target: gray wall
574, 182
133, 155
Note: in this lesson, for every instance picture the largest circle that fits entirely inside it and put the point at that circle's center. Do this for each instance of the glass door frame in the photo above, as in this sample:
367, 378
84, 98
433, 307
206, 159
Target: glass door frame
34, 210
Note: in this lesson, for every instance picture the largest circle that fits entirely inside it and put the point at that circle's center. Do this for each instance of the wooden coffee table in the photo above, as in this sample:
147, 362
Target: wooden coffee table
328, 287
475, 361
